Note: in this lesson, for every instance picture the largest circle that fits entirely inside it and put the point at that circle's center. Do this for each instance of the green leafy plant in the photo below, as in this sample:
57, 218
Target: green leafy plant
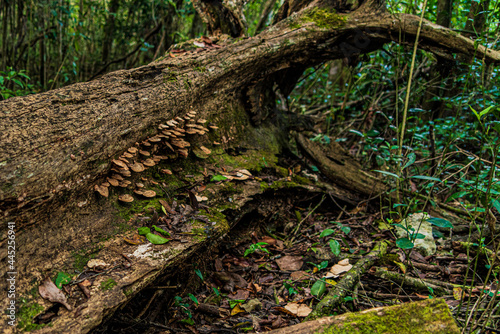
258, 247
14, 83
318, 288
153, 238
61, 279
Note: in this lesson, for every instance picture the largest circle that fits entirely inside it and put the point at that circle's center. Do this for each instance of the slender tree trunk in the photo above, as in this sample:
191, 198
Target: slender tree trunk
476, 20
444, 8
109, 30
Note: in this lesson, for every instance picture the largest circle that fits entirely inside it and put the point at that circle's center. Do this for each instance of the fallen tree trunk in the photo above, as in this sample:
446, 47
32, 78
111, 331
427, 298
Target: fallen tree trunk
427, 316
57, 146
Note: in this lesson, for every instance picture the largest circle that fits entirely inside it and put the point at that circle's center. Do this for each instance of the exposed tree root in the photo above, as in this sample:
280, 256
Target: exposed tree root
336, 296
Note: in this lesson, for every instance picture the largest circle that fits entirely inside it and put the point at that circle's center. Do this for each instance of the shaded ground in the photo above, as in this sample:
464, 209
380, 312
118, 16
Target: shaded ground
263, 275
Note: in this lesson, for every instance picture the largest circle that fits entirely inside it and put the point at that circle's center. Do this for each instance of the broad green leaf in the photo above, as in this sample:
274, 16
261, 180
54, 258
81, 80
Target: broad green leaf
160, 230
62, 278
496, 205
437, 234
164, 211
335, 247
318, 288
425, 177
404, 243
193, 298
440, 222
346, 229
234, 302
456, 195
419, 236
323, 265
399, 225
198, 272
326, 232
475, 113
156, 239
387, 173
357, 132
143, 230
217, 178
411, 159
485, 111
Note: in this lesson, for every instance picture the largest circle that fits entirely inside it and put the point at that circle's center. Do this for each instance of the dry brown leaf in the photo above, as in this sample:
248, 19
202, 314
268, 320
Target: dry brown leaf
339, 268
300, 310
290, 263
48, 290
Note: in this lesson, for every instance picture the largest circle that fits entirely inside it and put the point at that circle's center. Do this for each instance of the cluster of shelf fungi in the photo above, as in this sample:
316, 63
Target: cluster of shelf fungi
173, 139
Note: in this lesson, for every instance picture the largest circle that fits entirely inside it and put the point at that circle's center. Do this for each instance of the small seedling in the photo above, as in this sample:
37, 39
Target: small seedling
258, 247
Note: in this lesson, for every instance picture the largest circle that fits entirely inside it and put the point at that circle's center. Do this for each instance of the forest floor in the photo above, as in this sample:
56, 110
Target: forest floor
273, 269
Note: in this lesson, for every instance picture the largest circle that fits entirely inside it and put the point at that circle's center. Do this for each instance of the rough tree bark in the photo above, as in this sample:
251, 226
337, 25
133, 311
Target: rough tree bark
56, 146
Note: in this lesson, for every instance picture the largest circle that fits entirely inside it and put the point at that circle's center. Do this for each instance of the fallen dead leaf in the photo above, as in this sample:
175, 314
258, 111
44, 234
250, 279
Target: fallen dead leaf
299, 310
96, 264
48, 290
299, 276
291, 263
339, 268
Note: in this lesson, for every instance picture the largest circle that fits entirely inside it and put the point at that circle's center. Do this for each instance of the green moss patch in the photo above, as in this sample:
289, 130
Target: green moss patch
108, 284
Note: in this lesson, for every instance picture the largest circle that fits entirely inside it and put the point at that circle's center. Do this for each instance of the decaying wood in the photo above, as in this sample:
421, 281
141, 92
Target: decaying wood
415, 283
428, 316
341, 168
346, 284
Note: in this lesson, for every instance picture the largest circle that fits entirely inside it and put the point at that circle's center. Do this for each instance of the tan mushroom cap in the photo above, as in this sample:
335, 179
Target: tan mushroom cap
137, 167
132, 150
124, 183
166, 171
120, 164
214, 127
205, 150
139, 185
145, 153
127, 155
114, 182
180, 143
104, 191
172, 123
149, 193
123, 172
201, 121
148, 162
191, 131
145, 143
126, 198
163, 126
117, 177
123, 159
154, 139
183, 152
216, 143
